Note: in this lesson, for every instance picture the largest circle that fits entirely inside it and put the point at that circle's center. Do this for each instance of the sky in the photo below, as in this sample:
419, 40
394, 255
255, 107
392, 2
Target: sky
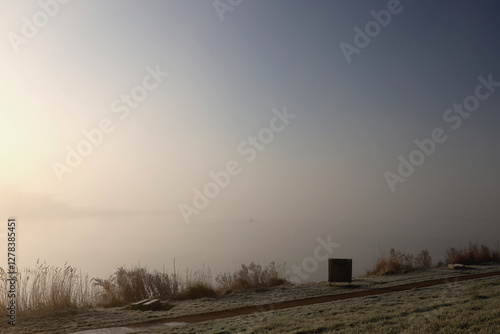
223, 132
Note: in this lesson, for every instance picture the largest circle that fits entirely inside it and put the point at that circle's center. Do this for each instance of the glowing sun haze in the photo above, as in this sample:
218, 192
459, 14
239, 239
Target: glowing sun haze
116, 115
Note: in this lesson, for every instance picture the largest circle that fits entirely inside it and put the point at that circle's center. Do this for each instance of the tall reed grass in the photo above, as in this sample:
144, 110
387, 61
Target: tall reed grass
129, 285
49, 288
400, 262
473, 254
253, 276
46, 288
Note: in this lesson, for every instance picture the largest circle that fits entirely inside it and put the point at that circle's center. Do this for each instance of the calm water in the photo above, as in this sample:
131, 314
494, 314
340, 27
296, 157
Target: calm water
98, 246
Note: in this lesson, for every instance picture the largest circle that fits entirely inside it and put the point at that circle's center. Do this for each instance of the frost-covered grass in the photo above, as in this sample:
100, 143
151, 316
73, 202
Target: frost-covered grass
465, 307
443, 307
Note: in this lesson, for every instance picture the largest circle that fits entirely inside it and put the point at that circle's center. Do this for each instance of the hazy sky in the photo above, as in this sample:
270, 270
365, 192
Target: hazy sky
312, 106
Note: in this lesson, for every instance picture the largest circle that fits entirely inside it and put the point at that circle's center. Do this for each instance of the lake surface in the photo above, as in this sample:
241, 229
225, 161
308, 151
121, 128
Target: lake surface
98, 246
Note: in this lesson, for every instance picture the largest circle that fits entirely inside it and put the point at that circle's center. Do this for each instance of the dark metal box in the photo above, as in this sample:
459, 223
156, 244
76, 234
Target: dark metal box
340, 270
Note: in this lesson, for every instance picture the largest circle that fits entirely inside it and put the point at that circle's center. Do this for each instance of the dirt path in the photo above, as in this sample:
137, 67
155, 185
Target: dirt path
308, 301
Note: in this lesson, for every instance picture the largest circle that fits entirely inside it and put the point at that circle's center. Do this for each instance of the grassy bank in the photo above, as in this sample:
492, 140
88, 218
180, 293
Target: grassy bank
468, 307
398, 261
47, 288
62, 300
360, 315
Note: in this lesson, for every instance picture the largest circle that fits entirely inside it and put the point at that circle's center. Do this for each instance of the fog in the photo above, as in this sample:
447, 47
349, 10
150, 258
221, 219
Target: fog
139, 133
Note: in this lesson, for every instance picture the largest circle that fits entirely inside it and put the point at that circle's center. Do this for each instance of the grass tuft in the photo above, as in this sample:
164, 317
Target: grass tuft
474, 254
399, 262
130, 285
252, 276
196, 291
